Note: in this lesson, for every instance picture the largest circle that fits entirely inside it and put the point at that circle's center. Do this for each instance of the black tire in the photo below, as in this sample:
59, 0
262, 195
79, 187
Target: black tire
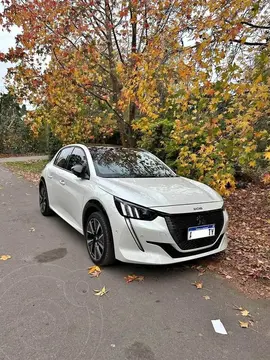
44, 205
99, 239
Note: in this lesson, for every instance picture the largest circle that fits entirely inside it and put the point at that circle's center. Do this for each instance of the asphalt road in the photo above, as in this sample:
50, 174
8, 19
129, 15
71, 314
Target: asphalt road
48, 309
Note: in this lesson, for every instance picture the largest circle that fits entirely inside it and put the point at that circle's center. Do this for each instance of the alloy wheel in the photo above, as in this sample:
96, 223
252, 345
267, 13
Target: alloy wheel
95, 239
42, 198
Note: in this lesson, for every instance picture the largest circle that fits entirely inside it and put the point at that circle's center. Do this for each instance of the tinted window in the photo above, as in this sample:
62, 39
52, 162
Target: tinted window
77, 157
127, 163
63, 157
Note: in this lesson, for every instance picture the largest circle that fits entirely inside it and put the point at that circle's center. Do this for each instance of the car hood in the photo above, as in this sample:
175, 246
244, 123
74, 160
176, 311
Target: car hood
158, 192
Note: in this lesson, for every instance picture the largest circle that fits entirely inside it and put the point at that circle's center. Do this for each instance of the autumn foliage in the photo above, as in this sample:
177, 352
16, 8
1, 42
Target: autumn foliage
188, 79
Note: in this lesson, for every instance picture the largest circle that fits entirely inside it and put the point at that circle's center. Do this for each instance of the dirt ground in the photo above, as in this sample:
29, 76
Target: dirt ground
246, 262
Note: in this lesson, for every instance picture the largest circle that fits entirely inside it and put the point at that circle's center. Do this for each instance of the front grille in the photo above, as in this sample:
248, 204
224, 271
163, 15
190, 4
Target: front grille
175, 254
178, 227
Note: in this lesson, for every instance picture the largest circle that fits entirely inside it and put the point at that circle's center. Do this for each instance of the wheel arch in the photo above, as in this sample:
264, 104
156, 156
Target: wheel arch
90, 207
42, 180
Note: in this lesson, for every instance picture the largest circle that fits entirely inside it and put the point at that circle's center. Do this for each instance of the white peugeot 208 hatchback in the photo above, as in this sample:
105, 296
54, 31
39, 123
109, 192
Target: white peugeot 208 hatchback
132, 207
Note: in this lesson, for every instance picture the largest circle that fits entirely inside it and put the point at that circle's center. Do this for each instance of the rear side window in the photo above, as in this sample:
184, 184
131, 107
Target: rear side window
77, 157
62, 158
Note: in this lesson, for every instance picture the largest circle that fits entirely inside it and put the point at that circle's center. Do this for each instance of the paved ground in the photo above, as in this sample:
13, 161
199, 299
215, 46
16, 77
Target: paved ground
23, 158
48, 310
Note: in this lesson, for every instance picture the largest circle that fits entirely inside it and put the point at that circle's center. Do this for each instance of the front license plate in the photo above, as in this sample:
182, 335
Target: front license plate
198, 232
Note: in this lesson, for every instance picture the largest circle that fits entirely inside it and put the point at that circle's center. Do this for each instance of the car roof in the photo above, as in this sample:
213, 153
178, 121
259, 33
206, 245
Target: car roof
111, 146
103, 145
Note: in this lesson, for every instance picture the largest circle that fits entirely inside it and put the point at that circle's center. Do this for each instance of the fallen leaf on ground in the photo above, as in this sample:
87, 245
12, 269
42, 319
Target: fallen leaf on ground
245, 312
207, 297
228, 277
32, 229
95, 274
246, 246
201, 270
101, 292
5, 257
94, 269
133, 277
198, 284
211, 267
243, 324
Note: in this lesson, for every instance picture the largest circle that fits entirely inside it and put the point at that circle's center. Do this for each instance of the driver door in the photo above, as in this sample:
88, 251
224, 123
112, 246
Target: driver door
54, 185
74, 188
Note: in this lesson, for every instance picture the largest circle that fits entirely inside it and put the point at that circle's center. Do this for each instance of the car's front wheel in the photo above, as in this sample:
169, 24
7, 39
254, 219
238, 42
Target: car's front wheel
44, 200
99, 240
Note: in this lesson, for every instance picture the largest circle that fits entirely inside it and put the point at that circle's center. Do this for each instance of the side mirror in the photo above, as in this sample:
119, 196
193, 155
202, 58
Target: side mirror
78, 170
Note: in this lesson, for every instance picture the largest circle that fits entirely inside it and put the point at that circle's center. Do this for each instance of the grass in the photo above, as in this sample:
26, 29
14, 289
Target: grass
31, 167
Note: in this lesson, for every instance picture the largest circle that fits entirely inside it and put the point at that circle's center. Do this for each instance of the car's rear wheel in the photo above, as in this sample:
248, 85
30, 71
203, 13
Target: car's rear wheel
44, 200
99, 240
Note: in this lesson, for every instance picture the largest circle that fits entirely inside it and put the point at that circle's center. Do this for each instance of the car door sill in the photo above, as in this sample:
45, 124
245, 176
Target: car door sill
71, 223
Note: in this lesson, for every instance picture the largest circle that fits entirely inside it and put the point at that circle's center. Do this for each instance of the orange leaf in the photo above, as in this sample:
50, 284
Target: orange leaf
5, 257
133, 277
198, 284
245, 313
243, 324
95, 274
94, 269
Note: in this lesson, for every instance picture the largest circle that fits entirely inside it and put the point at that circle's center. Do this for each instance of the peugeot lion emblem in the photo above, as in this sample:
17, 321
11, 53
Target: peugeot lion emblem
200, 220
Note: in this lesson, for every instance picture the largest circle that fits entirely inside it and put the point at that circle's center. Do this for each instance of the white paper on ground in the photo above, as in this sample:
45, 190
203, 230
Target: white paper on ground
219, 327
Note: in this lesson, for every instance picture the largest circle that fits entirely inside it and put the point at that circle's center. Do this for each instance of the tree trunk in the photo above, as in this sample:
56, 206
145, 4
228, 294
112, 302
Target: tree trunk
123, 126
132, 107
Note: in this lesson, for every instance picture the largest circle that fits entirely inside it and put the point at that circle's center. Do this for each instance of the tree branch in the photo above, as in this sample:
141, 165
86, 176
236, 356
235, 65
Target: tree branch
100, 98
134, 30
97, 96
115, 37
255, 26
248, 42
144, 29
98, 29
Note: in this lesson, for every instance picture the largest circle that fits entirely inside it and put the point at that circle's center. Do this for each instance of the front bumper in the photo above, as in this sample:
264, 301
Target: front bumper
150, 242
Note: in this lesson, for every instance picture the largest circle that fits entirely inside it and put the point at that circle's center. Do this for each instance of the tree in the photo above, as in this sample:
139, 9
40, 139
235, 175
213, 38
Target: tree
16, 136
137, 65
11, 124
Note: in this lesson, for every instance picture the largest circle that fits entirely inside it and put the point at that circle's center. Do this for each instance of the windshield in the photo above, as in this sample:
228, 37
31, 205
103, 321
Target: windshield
120, 162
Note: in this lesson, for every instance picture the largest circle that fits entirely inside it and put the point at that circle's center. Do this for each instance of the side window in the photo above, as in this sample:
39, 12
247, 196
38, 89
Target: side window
63, 157
77, 157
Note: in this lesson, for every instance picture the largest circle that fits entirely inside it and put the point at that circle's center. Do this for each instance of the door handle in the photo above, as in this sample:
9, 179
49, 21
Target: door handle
50, 176
62, 182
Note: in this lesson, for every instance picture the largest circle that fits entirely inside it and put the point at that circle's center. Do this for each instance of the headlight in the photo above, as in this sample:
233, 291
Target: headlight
133, 211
